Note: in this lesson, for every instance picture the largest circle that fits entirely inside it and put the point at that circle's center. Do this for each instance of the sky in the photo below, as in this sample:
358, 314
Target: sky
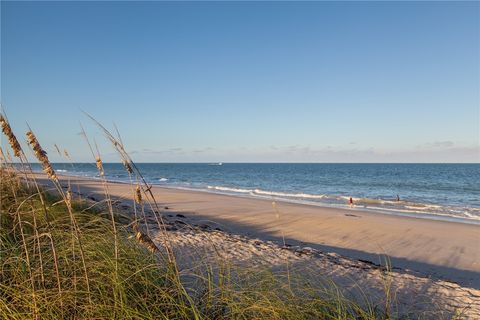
247, 81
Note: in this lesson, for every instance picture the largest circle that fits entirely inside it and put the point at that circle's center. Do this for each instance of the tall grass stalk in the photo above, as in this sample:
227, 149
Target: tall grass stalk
41, 155
101, 172
146, 189
62, 256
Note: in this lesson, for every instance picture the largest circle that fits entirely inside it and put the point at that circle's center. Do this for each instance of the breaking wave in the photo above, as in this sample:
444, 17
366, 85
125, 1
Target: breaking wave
385, 205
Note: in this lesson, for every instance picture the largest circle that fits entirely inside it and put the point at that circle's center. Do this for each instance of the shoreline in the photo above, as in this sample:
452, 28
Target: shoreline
440, 249
356, 208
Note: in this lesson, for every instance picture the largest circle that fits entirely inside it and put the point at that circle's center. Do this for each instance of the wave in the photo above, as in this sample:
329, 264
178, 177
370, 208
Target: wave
290, 195
432, 205
219, 188
407, 207
267, 193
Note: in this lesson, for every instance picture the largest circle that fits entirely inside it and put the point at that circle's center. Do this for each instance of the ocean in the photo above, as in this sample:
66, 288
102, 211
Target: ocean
432, 191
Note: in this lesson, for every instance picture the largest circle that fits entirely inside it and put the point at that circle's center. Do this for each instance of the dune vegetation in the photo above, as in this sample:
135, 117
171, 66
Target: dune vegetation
63, 256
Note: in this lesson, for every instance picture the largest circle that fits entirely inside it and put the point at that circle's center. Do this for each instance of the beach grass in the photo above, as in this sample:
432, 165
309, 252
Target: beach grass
62, 256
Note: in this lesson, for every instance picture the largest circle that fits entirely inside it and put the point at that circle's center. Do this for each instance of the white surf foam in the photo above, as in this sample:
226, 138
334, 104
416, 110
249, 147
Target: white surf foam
219, 188
405, 207
290, 195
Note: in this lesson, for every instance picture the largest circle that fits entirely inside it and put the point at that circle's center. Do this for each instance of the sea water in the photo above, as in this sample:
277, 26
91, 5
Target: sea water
433, 191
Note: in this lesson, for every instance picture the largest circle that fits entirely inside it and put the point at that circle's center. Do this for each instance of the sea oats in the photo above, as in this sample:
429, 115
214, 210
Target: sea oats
58, 149
41, 156
100, 166
127, 166
12, 140
68, 197
144, 239
138, 195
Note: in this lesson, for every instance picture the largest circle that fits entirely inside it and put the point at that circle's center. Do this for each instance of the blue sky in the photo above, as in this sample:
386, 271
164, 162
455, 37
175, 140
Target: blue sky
248, 82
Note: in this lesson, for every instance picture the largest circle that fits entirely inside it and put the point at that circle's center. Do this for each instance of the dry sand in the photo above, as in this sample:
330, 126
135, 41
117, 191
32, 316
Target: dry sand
433, 262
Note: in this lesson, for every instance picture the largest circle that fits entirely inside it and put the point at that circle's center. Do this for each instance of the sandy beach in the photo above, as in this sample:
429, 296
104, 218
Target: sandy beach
428, 258
274, 160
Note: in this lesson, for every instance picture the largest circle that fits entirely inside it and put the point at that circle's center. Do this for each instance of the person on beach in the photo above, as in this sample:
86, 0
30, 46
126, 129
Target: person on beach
351, 202
398, 198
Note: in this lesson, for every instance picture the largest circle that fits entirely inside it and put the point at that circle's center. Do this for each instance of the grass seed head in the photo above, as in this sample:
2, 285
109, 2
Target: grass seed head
41, 156
12, 140
100, 166
127, 166
138, 195
67, 155
145, 239
58, 149
68, 199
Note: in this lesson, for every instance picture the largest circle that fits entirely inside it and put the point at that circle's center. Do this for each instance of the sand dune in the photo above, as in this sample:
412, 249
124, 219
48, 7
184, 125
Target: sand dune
433, 262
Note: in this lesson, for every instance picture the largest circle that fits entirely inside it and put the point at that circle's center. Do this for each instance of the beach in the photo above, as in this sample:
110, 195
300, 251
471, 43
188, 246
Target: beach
428, 257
